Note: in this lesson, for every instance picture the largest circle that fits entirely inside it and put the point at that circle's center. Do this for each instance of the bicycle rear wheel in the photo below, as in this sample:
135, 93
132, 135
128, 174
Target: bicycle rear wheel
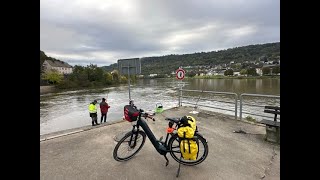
129, 146
175, 152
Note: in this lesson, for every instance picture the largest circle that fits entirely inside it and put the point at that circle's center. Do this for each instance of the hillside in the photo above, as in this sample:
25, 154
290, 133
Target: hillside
166, 64
43, 57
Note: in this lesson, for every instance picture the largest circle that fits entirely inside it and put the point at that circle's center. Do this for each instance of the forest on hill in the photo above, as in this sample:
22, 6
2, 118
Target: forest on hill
166, 64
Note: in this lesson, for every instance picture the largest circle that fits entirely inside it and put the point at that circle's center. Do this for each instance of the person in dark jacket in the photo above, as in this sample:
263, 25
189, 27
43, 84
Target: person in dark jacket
104, 109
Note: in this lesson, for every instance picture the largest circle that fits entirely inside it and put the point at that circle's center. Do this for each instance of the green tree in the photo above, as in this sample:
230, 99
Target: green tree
276, 70
252, 72
228, 72
53, 77
190, 74
108, 77
266, 70
243, 72
115, 76
123, 79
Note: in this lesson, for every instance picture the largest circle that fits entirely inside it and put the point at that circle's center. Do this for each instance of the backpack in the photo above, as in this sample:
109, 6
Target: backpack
130, 113
188, 146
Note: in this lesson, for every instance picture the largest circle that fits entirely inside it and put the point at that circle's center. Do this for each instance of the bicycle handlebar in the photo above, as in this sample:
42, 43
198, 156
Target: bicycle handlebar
146, 115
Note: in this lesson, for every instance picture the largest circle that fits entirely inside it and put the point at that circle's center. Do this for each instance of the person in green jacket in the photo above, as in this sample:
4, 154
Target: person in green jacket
93, 112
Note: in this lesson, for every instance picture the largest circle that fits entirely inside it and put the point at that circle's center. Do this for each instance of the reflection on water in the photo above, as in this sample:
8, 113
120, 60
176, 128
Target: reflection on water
239, 86
65, 110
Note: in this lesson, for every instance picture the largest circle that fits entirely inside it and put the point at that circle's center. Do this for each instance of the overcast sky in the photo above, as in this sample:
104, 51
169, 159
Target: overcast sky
100, 32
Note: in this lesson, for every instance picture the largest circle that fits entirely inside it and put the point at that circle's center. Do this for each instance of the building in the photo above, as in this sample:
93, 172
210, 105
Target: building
153, 75
236, 73
259, 71
60, 66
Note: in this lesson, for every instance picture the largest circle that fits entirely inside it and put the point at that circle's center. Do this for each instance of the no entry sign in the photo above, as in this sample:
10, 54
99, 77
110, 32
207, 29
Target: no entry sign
180, 73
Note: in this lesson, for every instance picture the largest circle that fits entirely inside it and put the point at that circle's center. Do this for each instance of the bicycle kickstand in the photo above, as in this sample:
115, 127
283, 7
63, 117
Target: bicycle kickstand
178, 172
167, 163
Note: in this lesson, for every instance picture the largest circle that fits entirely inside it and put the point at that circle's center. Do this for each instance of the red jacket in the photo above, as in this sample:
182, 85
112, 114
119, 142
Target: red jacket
104, 107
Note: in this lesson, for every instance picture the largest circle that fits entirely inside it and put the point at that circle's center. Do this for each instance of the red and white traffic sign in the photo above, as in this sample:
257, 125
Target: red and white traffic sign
180, 73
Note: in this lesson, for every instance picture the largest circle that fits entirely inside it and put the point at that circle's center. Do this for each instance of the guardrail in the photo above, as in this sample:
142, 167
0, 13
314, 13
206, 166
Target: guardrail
235, 100
210, 92
255, 105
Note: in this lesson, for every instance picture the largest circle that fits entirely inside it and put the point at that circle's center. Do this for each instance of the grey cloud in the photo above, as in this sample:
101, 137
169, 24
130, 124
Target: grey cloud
155, 27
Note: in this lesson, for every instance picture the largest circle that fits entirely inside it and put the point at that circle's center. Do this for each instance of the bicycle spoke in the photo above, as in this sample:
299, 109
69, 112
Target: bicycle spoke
175, 151
123, 151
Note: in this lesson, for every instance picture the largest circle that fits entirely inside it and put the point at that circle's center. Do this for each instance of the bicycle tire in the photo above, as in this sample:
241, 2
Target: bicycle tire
125, 141
176, 153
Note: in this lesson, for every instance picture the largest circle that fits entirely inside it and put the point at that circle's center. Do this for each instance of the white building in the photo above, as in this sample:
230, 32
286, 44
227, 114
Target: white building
60, 66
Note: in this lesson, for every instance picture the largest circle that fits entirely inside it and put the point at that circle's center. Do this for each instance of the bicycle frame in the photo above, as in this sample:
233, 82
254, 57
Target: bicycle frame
162, 149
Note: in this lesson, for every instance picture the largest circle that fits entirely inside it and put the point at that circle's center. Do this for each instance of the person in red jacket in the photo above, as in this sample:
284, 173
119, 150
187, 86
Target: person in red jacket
104, 109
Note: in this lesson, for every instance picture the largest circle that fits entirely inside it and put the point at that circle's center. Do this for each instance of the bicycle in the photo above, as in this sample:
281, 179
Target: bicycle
133, 143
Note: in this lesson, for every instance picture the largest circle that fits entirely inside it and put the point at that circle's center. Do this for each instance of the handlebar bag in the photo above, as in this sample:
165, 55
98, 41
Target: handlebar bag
130, 113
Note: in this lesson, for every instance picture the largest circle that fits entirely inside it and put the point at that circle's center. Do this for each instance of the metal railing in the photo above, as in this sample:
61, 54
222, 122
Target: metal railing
255, 105
209, 92
236, 99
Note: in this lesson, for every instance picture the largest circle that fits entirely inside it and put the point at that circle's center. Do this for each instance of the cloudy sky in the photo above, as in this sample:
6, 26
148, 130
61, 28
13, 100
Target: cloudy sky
100, 32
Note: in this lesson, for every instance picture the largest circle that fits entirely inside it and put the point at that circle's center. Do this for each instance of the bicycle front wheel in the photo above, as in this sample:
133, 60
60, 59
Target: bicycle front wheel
129, 146
175, 152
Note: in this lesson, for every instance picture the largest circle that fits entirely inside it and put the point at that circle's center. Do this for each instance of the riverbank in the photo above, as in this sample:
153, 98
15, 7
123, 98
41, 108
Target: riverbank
47, 89
51, 89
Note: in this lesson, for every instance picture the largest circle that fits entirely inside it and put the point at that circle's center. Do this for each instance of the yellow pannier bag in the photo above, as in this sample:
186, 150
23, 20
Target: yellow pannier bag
192, 122
186, 132
189, 149
188, 127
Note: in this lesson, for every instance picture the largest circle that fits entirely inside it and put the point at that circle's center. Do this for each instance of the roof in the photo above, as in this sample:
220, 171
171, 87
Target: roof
57, 63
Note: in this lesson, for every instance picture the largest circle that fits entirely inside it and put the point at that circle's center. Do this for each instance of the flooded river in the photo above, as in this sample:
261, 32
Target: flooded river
66, 110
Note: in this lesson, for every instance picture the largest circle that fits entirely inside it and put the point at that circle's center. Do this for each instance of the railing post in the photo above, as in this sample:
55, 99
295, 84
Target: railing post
180, 94
236, 105
240, 107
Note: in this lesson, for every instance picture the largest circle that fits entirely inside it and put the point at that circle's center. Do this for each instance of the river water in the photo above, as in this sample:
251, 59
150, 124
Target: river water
66, 110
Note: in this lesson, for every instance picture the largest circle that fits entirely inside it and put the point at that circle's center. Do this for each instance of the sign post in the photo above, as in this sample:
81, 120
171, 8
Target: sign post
129, 67
180, 73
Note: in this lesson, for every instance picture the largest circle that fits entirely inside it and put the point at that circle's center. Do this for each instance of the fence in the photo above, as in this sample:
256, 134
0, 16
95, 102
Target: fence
262, 104
208, 98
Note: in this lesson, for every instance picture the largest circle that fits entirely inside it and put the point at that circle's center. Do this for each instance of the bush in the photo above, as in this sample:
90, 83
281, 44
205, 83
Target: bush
66, 84
251, 119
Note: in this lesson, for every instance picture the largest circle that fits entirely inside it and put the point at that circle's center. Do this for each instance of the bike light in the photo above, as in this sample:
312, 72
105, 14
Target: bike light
170, 130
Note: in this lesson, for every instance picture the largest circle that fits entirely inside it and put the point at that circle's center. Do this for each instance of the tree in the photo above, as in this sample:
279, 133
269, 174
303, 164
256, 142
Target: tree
243, 72
115, 75
263, 58
276, 70
228, 72
266, 70
53, 77
252, 72
190, 74
123, 79
108, 77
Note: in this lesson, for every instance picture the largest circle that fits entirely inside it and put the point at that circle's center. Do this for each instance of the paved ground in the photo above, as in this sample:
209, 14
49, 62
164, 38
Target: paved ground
86, 153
